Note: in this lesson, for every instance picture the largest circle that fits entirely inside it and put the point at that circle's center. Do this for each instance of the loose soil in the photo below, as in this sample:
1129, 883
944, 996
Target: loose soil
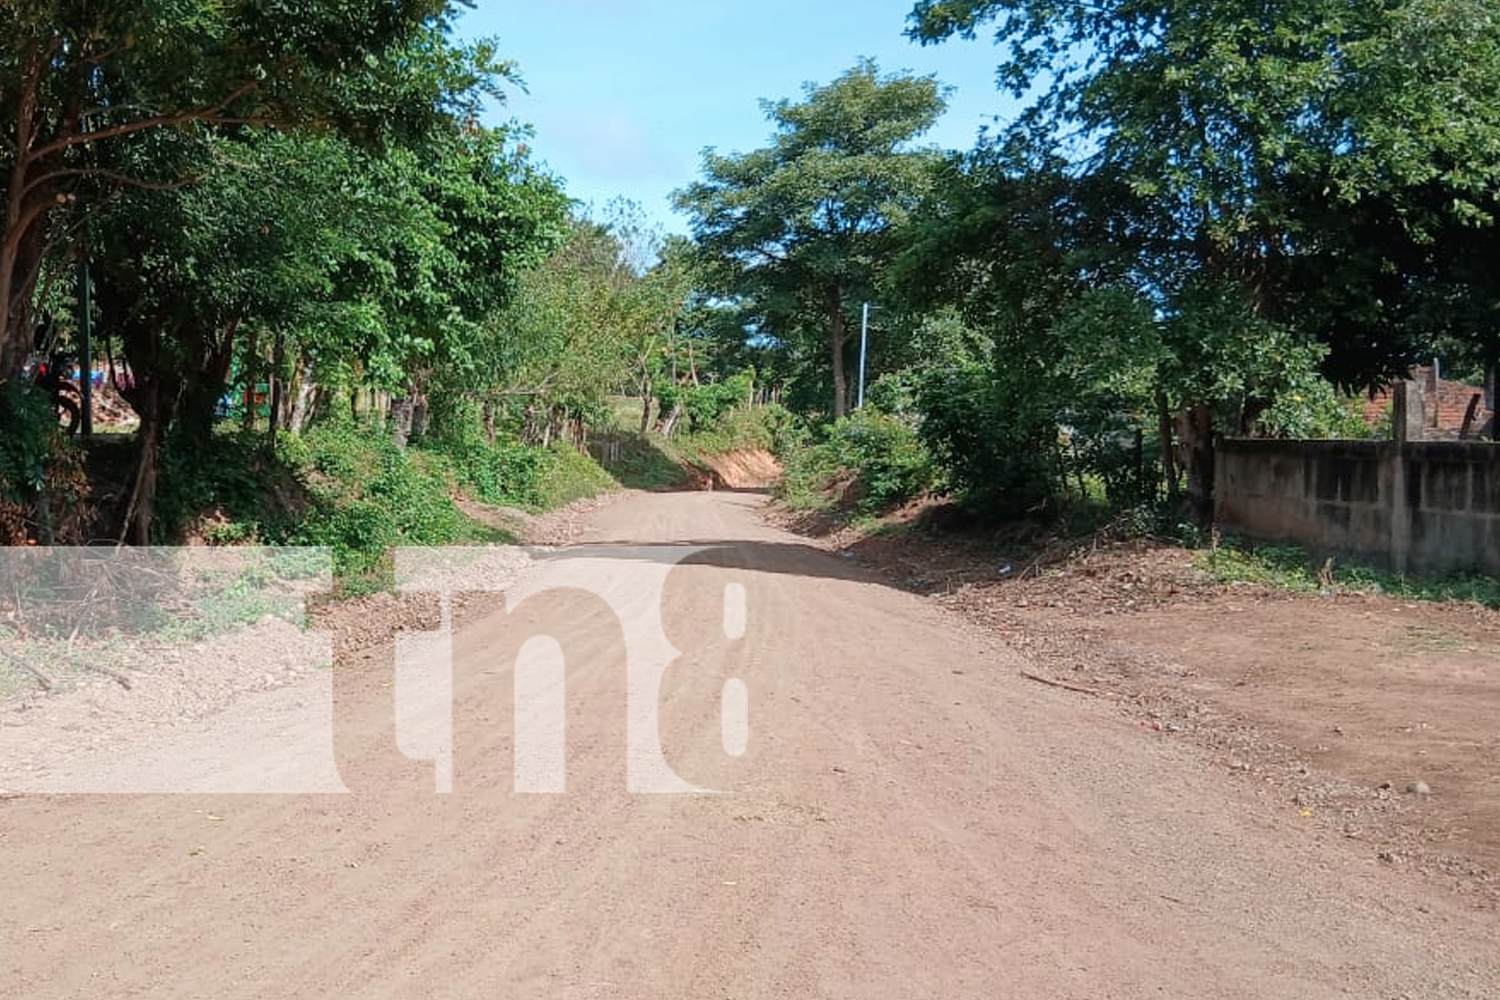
912, 816
105, 699
1342, 706
744, 469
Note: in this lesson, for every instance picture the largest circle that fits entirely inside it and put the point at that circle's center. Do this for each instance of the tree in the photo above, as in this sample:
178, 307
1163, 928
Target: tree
1335, 161
1301, 179
802, 226
381, 259
77, 78
572, 334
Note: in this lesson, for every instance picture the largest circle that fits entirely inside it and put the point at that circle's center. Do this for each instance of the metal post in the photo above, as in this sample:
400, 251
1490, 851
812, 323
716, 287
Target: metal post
864, 345
86, 350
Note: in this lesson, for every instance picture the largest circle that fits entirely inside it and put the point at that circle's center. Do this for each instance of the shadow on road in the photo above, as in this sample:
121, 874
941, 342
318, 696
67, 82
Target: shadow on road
788, 558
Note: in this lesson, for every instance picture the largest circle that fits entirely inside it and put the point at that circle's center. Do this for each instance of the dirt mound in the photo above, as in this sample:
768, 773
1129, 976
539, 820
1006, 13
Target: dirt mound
749, 469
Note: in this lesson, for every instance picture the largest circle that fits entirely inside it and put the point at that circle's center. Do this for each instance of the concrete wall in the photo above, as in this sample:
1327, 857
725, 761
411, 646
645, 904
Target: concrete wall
1423, 507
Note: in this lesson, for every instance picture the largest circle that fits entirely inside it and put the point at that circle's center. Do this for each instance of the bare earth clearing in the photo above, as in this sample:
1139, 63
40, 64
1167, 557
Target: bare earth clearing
1341, 707
912, 817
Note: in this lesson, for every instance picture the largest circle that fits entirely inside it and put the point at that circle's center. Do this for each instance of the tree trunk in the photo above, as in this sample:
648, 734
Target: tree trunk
252, 369
278, 361
303, 397
401, 413
140, 513
32, 193
668, 421
26, 208
421, 416
1197, 434
201, 383
1168, 455
645, 408
836, 338
489, 421
531, 427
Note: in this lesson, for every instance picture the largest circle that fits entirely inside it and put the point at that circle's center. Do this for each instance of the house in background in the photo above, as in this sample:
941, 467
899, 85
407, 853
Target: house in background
1439, 409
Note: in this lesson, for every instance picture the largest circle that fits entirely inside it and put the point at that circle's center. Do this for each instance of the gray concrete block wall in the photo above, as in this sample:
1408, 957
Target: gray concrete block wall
1429, 507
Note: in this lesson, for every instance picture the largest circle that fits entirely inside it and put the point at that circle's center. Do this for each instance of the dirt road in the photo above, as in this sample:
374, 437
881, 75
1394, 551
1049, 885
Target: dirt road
909, 818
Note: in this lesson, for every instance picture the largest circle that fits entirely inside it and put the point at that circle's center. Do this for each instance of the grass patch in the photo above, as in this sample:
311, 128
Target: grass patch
1295, 569
505, 473
568, 475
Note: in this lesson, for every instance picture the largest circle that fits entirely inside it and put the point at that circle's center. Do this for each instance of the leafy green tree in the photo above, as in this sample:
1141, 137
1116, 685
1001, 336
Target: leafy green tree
1335, 161
77, 78
1295, 181
801, 228
365, 265
563, 344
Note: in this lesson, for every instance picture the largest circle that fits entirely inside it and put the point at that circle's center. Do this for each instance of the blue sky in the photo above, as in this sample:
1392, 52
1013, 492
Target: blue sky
625, 94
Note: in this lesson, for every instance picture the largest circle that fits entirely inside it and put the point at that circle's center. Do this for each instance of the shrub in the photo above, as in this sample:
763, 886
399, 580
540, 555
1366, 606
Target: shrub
505, 473
996, 445
874, 460
703, 405
740, 428
368, 495
566, 474
43, 488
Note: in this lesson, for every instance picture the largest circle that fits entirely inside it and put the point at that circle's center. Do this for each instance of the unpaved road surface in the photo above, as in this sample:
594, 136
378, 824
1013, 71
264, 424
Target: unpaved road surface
909, 818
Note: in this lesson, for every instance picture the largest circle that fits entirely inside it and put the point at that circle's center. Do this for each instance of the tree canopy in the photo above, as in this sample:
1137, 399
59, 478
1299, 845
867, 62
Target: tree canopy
81, 78
1286, 186
1336, 163
803, 227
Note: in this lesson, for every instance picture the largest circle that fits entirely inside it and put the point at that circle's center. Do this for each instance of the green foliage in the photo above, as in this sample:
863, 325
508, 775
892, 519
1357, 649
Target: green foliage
809, 478
1060, 354
105, 96
29, 441
1334, 162
741, 428
591, 319
566, 475
504, 473
870, 462
363, 232
42, 482
232, 479
801, 228
1286, 567
1315, 409
992, 436
369, 495
705, 404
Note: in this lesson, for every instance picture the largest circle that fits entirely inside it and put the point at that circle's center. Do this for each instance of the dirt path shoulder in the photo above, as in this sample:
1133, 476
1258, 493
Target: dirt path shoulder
1370, 719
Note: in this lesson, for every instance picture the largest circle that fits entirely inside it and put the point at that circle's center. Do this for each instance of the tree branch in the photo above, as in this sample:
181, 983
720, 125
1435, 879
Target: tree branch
204, 113
116, 176
23, 223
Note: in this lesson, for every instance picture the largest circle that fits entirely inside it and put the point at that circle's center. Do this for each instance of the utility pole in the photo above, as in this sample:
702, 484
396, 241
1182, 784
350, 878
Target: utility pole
864, 347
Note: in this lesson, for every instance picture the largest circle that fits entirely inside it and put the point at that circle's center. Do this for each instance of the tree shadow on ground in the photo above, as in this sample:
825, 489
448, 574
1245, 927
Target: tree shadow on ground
641, 463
